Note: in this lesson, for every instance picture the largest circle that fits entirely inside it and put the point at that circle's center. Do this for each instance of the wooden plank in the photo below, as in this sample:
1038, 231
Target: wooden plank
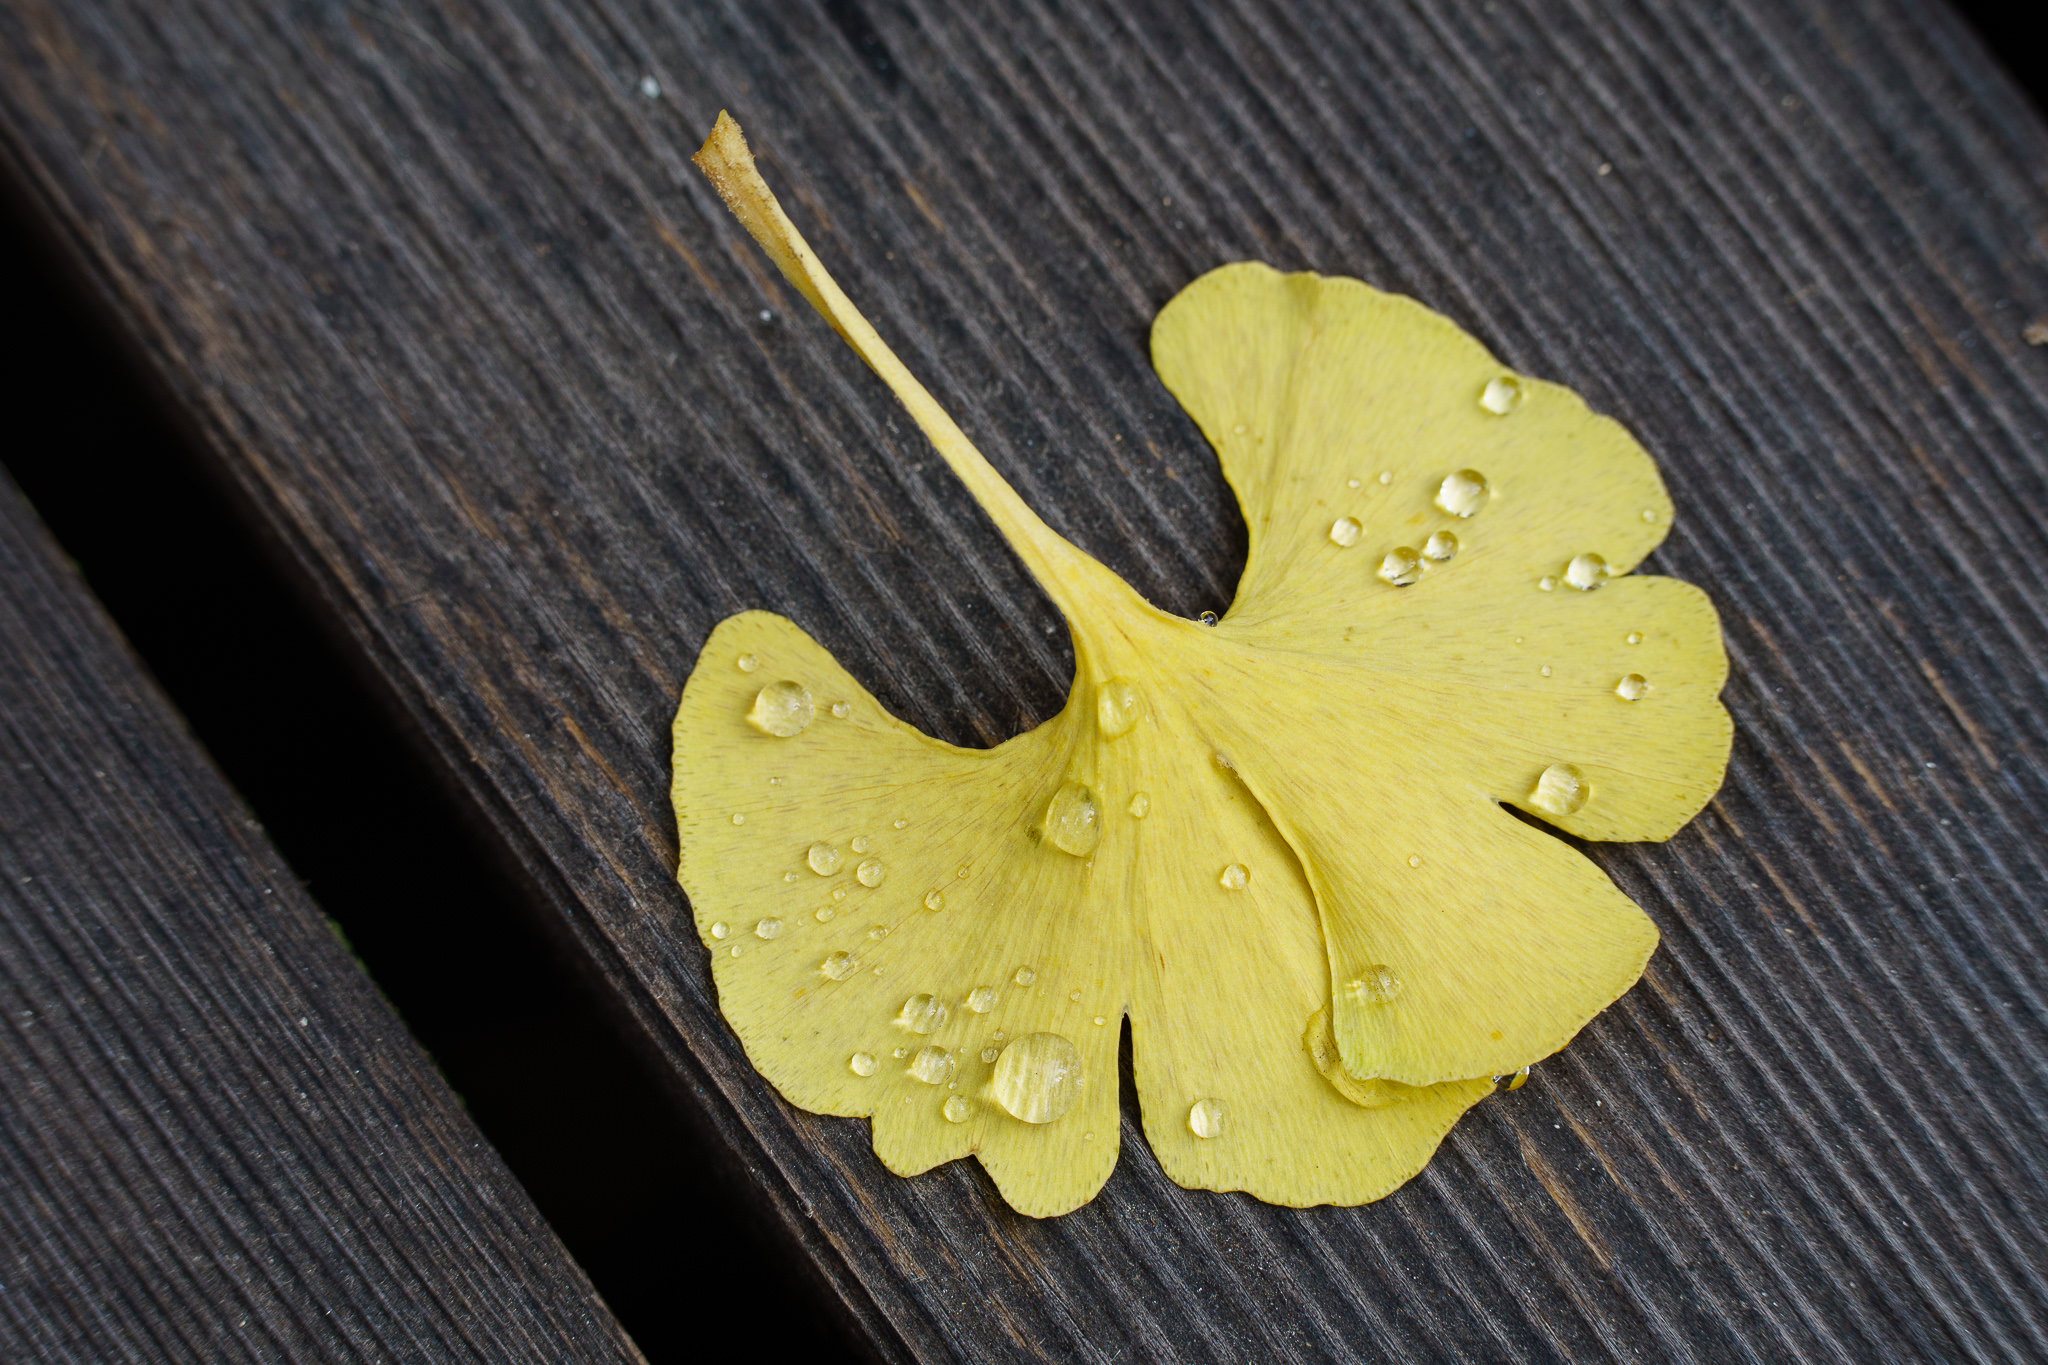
216, 1141
529, 417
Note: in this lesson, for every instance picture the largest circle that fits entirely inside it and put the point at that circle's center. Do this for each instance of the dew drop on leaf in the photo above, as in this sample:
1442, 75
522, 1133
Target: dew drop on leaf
841, 710
1071, 823
922, 1014
768, 928
1586, 572
1376, 985
748, 663
869, 873
1205, 1118
1502, 395
956, 1108
1463, 493
1025, 976
720, 929
981, 999
1632, 687
1117, 704
1402, 566
782, 709
1441, 547
932, 1065
1235, 877
1344, 530
1561, 790
1141, 805
823, 858
839, 966
861, 1063
1037, 1077
935, 899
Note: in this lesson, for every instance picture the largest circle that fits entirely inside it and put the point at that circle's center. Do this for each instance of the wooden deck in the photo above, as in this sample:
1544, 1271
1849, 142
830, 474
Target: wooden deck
525, 415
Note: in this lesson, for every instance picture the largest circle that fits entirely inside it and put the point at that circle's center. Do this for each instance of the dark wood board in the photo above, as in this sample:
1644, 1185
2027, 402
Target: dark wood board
217, 1142
528, 416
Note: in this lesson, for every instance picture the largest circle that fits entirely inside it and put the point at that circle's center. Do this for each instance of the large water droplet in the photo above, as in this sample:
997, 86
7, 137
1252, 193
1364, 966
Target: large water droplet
1502, 395
1441, 547
1205, 1118
1071, 823
1141, 805
748, 663
982, 999
1463, 493
1117, 705
922, 1014
1037, 1077
1376, 985
932, 1065
869, 873
823, 858
956, 1109
861, 1063
768, 928
1561, 790
1586, 572
1402, 566
839, 966
781, 709
1344, 530
935, 899
1632, 687
1025, 976
720, 929
1236, 877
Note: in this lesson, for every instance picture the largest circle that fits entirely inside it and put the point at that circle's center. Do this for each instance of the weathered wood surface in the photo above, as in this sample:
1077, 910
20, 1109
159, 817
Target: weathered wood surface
217, 1142
529, 417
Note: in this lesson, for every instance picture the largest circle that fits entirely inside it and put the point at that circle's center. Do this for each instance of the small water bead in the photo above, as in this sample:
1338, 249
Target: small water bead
1402, 566
1521, 1079
1025, 976
1100, 1021
1205, 1118
1441, 547
823, 858
1351, 483
734, 950
1118, 704
922, 1014
1546, 583
1414, 860
982, 999
839, 966
1376, 985
720, 929
1208, 618
861, 843
900, 1053
1649, 515
824, 913
748, 663
1462, 493
738, 819
1037, 1078
782, 709
900, 824
1344, 530
1236, 877
1632, 687
861, 1063
1586, 572
1635, 637
1502, 395
841, 710
956, 1109
869, 873
932, 1065
1141, 805
838, 893
789, 876
997, 1035
1545, 670
1074, 996
1561, 790
1386, 477
1071, 823
961, 872
989, 1054
878, 931
934, 900
768, 928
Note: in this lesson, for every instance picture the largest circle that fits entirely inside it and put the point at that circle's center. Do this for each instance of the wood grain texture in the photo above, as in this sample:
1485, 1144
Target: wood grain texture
529, 416
217, 1142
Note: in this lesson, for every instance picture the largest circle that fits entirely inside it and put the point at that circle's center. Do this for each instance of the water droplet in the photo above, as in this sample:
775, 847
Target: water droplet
1376, 985
1635, 637
1561, 790
1100, 1021
1441, 546
1502, 395
824, 913
1037, 1077
1463, 493
650, 88
982, 999
734, 950
823, 858
934, 899
1074, 996
1402, 566
1205, 1118
720, 929
1632, 687
956, 1109
1545, 670
838, 893
1344, 530
989, 1054
932, 1065
738, 819
861, 843
1025, 976
1117, 706
1208, 618
1238, 430
768, 928
1236, 877
781, 709
861, 1063
1649, 515
841, 710
1586, 572
1546, 583
748, 663
1386, 477
774, 781
922, 1014
1521, 1079
839, 966
1141, 805
1071, 825
997, 1035
869, 873
789, 876
878, 931
900, 824
1414, 860
1351, 483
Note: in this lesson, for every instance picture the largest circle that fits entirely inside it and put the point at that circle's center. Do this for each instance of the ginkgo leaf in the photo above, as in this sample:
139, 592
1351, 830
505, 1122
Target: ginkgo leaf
1276, 844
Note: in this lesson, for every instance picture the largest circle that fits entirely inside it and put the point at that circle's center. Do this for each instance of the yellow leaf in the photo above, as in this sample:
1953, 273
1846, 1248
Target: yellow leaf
1275, 844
